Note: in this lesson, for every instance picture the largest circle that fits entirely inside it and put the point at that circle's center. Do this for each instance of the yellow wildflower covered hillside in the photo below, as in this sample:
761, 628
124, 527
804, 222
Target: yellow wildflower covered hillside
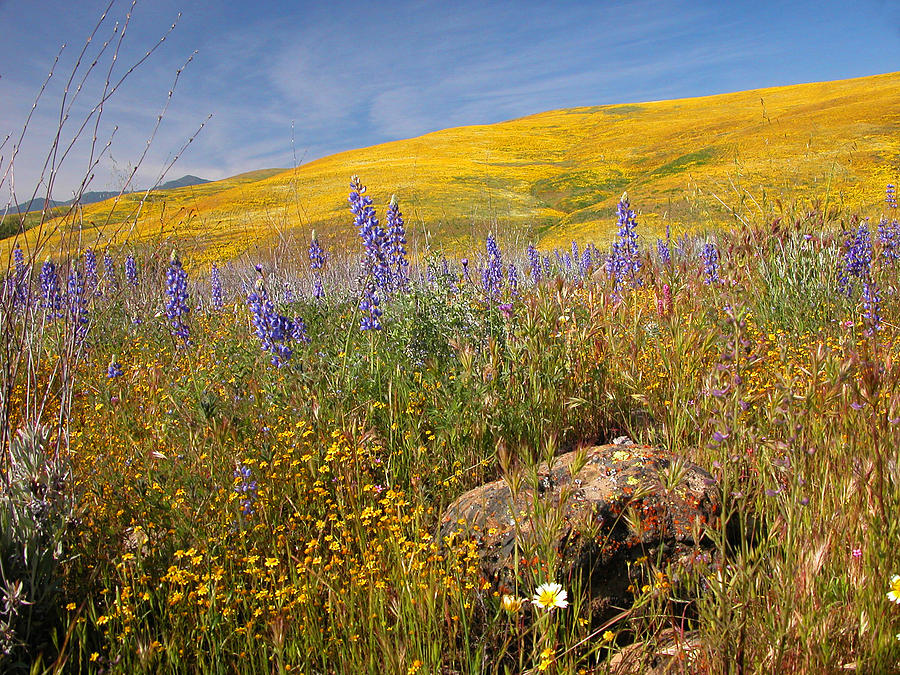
557, 175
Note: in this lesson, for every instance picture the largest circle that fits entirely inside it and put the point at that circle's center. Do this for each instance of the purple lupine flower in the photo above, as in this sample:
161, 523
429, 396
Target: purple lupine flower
596, 256
548, 266
586, 262
316, 253
512, 279
114, 369
245, 488
215, 285
177, 307
370, 305
887, 237
18, 260
567, 261
19, 279
711, 263
624, 262
890, 196
664, 248
576, 256
109, 271
534, 261
857, 258
131, 271
51, 297
370, 232
90, 271
395, 243
298, 331
77, 304
276, 332
492, 275
317, 262
871, 302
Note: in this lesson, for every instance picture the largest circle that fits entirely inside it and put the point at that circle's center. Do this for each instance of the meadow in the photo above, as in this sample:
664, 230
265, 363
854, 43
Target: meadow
242, 470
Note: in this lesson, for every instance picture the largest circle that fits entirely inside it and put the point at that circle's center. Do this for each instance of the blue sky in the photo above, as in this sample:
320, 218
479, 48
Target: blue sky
340, 75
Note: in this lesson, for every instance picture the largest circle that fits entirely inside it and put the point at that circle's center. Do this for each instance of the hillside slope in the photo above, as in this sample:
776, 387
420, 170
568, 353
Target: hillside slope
557, 175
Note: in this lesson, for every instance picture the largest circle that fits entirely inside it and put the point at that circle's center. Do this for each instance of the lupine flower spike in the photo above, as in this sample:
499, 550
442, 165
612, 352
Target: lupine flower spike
276, 332
396, 244
317, 262
131, 271
492, 276
51, 297
77, 304
177, 307
624, 262
711, 263
20, 291
90, 271
664, 248
114, 370
215, 283
109, 271
370, 232
534, 261
245, 488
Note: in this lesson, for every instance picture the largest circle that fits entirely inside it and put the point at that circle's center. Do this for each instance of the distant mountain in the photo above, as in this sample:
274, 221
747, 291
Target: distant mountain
102, 195
93, 197
184, 181
35, 205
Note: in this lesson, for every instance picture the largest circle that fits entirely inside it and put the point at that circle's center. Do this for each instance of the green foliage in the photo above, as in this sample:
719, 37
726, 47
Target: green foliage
36, 509
799, 284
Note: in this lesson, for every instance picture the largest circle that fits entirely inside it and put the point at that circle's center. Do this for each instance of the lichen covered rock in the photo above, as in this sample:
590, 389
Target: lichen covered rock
626, 502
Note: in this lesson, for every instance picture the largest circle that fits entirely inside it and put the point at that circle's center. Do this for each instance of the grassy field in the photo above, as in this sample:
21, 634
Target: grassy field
692, 164
175, 502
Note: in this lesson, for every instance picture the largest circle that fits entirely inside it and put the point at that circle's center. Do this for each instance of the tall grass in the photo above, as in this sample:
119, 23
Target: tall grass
230, 516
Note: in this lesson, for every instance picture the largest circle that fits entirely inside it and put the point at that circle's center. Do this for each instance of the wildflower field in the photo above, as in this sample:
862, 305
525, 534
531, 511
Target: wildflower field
241, 468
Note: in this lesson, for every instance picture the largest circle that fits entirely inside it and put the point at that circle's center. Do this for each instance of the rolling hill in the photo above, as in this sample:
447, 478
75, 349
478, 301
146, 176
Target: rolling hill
692, 163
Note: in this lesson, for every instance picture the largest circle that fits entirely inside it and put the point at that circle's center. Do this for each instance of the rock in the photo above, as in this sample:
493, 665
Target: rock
626, 502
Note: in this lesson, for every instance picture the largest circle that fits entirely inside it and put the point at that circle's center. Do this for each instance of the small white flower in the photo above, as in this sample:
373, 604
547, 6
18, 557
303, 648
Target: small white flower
512, 603
550, 596
894, 594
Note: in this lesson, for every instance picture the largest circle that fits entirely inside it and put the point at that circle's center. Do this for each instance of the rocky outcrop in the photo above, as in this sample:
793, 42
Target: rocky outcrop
626, 502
